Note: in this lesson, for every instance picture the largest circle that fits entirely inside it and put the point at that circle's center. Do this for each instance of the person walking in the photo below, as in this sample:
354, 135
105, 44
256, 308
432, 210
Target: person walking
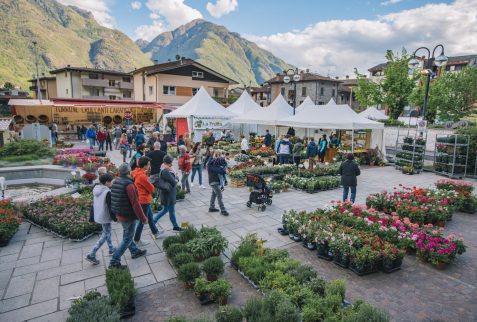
101, 136
284, 150
83, 132
125, 147
109, 140
125, 205
163, 143
323, 145
152, 140
169, 180
102, 215
140, 151
244, 145
145, 190
210, 140
78, 132
185, 167
196, 161
117, 137
349, 170
189, 144
311, 153
215, 171
296, 152
91, 136
157, 158
139, 139
267, 140
180, 142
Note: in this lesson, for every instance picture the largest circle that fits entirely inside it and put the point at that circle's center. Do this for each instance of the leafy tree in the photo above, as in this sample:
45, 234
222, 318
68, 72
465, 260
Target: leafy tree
397, 86
8, 85
368, 93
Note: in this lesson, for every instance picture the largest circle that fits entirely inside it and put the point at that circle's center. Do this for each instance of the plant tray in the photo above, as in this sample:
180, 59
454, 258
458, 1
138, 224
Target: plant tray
282, 231
371, 271
205, 300
58, 235
237, 183
391, 270
341, 264
326, 257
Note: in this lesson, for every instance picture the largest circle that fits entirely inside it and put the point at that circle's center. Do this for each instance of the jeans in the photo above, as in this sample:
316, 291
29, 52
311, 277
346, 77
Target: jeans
196, 168
91, 143
345, 193
217, 193
105, 237
297, 160
101, 145
185, 181
108, 143
146, 208
129, 228
172, 214
284, 158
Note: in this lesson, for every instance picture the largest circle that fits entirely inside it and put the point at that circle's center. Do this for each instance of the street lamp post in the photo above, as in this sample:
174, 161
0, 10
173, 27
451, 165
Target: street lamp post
38, 92
296, 78
438, 61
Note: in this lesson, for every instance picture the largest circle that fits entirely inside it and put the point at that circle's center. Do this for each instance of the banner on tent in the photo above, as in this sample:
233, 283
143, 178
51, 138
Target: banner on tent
201, 123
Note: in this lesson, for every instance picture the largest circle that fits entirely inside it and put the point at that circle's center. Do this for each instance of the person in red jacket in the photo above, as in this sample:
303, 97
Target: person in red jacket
185, 166
145, 190
101, 137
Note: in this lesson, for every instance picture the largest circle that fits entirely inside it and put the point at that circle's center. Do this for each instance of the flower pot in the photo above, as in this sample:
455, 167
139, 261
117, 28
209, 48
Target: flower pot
296, 238
440, 265
341, 260
212, 277
441, 223
311, 246
410, 251
283, 231
390, 266
65, 165
4, 242
205, 299
365, 269
324, 251
73, 166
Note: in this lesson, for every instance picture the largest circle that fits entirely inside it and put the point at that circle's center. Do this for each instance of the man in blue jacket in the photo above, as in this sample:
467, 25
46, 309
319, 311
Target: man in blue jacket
284, 150
311, 153
268, 139
91, 136
139, 139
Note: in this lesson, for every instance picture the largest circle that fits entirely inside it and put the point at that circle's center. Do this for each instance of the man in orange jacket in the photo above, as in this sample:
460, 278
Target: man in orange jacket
145, 190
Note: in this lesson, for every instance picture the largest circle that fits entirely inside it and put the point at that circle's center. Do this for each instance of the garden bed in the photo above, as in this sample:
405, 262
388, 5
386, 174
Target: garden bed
9, 221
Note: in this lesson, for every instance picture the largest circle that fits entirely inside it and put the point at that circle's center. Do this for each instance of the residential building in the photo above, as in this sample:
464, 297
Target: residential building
86, 83
320, 89
174, 83
346, 93
261, 95
47, 87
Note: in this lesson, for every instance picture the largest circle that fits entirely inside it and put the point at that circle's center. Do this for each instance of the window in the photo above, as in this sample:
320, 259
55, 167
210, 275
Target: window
112, 82
321, 103
150, 90
127, 94
127, 79
216, 92
94, 92
93, 76
303, 91
169, 90
195, 90
291, 93
282, 91
452, 68
112, 97
196, 74
66, 91
333, 92
322, 91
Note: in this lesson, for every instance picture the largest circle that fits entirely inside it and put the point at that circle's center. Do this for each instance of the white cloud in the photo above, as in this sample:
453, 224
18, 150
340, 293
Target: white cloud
221, 7
99, 9
390, 2
337, 46
166, 15
136, 5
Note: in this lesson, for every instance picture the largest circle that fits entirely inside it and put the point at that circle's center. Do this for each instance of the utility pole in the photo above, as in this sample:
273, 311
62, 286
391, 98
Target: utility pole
38, 92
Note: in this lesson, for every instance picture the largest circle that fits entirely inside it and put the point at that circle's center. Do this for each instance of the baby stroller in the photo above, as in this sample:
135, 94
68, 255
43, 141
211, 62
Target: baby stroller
261, 194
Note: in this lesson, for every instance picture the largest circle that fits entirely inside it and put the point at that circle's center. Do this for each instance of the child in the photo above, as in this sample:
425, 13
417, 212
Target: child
219, 162
102, 215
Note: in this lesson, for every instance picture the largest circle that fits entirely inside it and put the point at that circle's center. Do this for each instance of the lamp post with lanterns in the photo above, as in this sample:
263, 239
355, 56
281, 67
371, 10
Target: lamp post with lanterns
296, 78
427, 68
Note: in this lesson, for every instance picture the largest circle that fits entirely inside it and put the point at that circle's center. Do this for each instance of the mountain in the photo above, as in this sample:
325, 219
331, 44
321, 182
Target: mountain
66, 35
218, 48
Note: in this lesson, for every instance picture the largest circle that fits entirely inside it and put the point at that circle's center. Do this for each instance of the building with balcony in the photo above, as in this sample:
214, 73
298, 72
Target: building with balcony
261, 95
47, 87
321, 89
174, 83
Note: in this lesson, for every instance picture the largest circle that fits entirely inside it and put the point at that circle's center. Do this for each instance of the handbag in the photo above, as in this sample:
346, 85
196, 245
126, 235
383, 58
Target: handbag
164, 185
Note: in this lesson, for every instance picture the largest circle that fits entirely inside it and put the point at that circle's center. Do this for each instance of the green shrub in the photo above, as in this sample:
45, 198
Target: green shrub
274, 255
471, 131
228, 313
201, 286
188, 272
336, 287
272, 301
254, 267
188, 234
94, 310
171, 240
277, 280
34, 148
213, 266
252, 310
317, 285
175, 249
120, 285
244, 250
286, 264
304, 273
299, 295
287, 312
367, 313
177, 319
181, 259
220, 289
20, 158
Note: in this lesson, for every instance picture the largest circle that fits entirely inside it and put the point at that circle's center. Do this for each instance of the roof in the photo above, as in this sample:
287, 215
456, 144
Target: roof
81, 102
5, 123
305, 77
373, 113
28, 102
378, 67
90, 70
42, 77
243, 105
158, 68
261, 89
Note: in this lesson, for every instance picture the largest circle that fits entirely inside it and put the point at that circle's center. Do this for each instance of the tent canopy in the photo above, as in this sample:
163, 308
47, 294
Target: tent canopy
201, 105
269, 115
307, 103
373, 113
330, 116
243, 105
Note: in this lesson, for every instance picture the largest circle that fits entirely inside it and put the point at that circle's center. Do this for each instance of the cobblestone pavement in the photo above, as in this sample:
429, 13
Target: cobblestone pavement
40, 274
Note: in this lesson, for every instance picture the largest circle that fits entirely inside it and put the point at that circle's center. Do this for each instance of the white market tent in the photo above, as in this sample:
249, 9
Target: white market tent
241, 107
373, 113
269, 115
307, 103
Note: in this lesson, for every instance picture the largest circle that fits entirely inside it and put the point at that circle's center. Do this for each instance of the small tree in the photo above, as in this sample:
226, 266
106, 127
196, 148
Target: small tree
8, 85
397, 86
368, 93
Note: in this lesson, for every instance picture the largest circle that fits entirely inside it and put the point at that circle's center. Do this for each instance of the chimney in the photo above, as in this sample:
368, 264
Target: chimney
347, 76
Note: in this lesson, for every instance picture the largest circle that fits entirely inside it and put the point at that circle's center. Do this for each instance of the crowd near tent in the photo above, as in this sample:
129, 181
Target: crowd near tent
373, 113
200, 113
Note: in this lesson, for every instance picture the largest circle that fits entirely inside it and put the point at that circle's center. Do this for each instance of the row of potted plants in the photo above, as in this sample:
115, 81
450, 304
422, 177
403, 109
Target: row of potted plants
262, 151
313, 184
465, 199
9, 221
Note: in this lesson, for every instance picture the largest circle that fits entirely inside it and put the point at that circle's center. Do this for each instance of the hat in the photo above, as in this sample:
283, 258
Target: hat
124, 169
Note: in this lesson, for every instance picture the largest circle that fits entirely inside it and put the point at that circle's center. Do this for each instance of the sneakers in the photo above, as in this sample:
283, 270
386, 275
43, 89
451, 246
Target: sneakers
118, 265
213, 210
142, 242
111, 251
139, 253
192, 185
222, 188
224, 213
202, 187
179, 229
158, 234
92, 259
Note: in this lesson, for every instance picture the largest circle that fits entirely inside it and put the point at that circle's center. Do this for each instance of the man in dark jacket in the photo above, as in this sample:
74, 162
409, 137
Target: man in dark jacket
157, 157
268, 139
210, 141
214, 170
349, 170
163, 143
125, 205
311, 153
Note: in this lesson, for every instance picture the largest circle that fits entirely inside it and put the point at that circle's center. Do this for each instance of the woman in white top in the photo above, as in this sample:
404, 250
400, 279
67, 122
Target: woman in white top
244, 145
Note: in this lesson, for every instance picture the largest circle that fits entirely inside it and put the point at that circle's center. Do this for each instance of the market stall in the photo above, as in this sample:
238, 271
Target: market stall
373, 113
199, 114
243, 106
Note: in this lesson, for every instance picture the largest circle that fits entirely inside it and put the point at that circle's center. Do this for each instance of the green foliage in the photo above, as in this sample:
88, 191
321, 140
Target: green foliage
287, 264
252, 310
392, 122
245, 249
120, 285
220, 289
187, 273
368, 93
171, 240
254, 267
366, 313
177, 319
93, 309
336, 287
175, 249
25, 150
201, 285
397, 85
181, 259
317, 285
228, 313
209, 242
188, 234
471, 131
213, 265
304, 273
277, 280
280, 308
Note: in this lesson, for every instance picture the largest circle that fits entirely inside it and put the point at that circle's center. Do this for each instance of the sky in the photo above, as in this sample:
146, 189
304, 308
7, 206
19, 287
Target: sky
327, 37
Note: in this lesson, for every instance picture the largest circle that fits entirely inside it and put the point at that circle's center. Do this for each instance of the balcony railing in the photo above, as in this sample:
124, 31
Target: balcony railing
126, 85
95, 82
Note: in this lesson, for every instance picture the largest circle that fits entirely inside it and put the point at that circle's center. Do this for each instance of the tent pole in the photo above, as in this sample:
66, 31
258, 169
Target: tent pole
352, 141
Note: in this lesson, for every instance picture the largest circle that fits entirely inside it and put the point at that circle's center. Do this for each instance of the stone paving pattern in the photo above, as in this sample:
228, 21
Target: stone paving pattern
40, 274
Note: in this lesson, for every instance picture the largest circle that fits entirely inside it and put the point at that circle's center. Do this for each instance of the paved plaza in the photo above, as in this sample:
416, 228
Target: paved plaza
40, 274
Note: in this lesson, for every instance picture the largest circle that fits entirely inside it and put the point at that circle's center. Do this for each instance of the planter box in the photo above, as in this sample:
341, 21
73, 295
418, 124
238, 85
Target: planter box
234, 183
365, 270
342, 261
324, 252
391, 266
282, 231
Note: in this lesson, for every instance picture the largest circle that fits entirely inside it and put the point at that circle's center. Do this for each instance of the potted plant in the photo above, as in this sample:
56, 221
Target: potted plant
341, 251
220, 291
181, 259
199, 248
9, 221
89, 177
228, 313
89, 167
213, 267
187, 273
201, 289
120, 285
392, 258
408, 140
364, 260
